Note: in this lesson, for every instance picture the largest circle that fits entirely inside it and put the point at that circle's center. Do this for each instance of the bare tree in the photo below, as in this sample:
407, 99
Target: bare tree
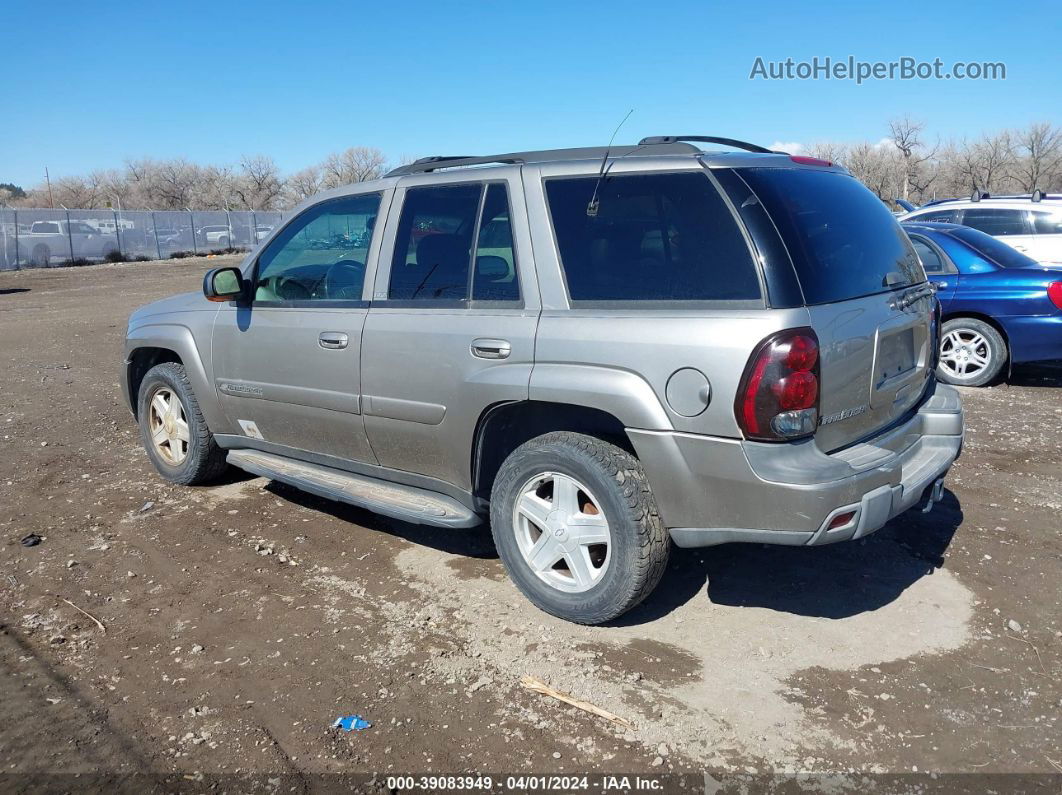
907, 138
303, 184
259, 185
357, 164
1038, 161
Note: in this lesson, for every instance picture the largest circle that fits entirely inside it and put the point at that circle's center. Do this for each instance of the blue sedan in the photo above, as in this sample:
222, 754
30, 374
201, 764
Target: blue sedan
999, 307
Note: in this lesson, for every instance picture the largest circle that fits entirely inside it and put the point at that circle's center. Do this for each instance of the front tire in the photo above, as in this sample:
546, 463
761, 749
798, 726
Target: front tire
577, 528
972, 353
172, 428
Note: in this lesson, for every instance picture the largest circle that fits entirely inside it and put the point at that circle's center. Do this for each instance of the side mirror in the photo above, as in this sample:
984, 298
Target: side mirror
224, 284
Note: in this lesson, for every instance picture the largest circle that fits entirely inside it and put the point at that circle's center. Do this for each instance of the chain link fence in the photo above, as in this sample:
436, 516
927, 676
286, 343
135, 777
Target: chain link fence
53, 238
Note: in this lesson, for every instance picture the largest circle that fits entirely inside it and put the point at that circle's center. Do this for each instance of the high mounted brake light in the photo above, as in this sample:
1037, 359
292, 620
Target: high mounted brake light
810, 161
778, 398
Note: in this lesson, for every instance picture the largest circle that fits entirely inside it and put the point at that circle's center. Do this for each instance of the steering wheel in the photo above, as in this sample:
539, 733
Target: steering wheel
344, 280
291, 290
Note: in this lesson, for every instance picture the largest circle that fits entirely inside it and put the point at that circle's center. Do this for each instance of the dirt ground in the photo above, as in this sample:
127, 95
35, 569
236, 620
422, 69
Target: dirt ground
239, 621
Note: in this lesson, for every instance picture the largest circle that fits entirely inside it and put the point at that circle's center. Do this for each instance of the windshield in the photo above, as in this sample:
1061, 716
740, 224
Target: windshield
988, 246
842, 239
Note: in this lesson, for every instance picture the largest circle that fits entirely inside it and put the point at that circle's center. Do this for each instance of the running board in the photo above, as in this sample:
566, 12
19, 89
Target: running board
407, 503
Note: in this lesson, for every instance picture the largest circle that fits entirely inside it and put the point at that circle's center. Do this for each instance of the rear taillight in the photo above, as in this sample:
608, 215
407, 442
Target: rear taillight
1054, 292
778, 398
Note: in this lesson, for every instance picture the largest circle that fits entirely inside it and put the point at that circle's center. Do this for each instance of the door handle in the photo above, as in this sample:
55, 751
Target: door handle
333, 340
491, 349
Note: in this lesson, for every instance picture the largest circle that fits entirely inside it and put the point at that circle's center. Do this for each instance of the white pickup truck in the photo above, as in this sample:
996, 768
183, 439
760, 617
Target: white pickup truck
48, 239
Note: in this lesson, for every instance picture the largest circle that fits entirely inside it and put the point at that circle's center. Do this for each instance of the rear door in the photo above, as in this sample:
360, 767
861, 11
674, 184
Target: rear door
1046, 242
1012, 226
866, 294
452, 326
939, 268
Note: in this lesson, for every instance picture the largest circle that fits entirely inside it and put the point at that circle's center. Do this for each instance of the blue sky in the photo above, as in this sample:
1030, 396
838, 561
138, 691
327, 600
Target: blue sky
89, 85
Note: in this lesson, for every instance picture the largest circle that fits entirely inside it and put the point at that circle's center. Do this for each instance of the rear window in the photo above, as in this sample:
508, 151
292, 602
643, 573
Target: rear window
653, 237
843, 240
996, 250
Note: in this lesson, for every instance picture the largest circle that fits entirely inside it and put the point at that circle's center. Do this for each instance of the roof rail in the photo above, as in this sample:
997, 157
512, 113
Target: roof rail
428, 164
708, 139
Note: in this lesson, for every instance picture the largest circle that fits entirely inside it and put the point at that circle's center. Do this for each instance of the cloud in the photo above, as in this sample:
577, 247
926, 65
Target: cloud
792, 147
884, 143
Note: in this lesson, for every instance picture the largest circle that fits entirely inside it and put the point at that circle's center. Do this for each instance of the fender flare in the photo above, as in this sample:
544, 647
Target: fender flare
179, 339
624, 395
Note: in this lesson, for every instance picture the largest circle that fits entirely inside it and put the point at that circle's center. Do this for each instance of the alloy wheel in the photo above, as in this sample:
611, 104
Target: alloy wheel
965, 353
562, 532
168, 426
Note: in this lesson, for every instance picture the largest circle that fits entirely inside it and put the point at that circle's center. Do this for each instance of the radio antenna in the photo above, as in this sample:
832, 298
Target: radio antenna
592, 207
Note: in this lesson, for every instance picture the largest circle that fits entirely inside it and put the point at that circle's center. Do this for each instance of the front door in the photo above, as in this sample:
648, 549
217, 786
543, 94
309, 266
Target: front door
287, 367
452, 326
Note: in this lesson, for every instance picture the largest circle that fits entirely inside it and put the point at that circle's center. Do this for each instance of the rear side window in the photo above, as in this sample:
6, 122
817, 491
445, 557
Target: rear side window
936, 216
996, 222
931, 261
653, 237
1047, 223
842, 239
996, 250
434, 244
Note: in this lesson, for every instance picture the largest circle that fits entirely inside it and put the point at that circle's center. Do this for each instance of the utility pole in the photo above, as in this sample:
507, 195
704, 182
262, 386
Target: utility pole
48, 179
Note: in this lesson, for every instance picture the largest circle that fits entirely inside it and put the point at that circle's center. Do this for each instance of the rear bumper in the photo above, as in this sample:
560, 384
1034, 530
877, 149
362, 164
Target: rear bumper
1034, 338
713, 491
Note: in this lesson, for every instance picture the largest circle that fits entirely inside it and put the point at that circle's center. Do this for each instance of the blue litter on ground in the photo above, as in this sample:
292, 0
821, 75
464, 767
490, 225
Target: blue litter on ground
351, 723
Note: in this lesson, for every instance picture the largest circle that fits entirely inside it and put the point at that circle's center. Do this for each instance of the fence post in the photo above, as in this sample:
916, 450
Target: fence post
191, 220
118, 233
18, 265
69, 238
155, 232
254, 229
228, 220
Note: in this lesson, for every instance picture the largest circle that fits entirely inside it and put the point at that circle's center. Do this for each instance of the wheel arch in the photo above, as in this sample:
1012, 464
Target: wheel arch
503, 427
147, 346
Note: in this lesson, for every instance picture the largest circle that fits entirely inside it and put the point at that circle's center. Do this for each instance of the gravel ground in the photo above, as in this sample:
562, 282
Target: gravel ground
240, 620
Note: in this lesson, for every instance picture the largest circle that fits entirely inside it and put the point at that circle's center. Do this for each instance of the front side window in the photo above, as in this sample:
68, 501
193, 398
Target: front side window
649, 237
936, 216
995, 221
321, 254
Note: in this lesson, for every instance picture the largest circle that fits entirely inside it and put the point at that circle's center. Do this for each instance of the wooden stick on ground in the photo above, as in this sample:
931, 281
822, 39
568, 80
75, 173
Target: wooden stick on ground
542, 688
99, 623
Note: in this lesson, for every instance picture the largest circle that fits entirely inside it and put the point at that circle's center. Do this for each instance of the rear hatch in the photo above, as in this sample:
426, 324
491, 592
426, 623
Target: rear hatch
865, 290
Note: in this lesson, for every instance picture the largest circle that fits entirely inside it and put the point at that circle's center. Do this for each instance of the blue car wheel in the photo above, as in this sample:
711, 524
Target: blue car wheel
972, 353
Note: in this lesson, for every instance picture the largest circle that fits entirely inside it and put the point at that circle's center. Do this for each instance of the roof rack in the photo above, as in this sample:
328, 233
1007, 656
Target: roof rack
708, 139
428, 164
976, 196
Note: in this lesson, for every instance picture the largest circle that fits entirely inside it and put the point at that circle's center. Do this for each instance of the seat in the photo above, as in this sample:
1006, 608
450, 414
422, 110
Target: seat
442, 265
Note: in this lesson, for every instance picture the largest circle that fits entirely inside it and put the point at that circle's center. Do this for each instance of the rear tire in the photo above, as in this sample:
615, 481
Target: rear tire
972, 353
173, 431
577, 528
